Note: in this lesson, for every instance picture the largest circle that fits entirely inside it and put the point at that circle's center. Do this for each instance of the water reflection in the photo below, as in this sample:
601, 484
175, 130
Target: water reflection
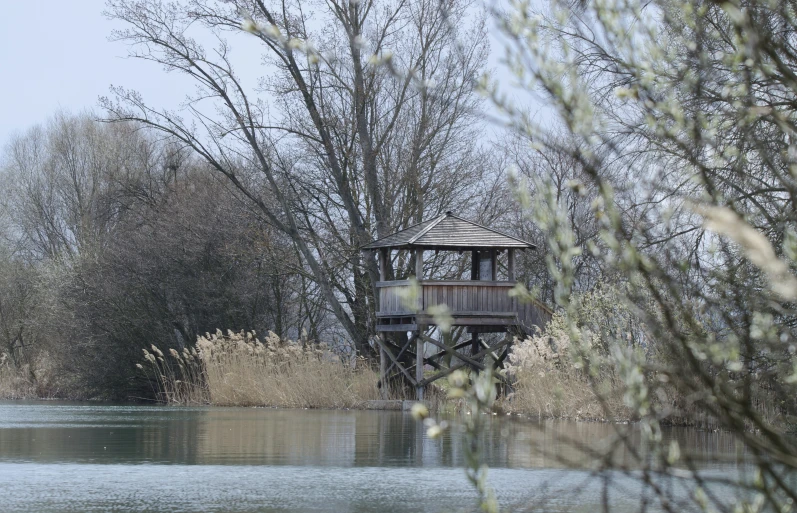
64, 457
256, 436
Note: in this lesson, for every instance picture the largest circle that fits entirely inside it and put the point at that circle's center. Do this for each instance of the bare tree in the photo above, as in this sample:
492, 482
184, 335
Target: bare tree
18, 302
197, 260
333, 151
573, 193
72, 180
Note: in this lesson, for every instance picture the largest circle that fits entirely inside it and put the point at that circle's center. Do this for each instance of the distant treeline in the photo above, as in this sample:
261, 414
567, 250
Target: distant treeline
113, 240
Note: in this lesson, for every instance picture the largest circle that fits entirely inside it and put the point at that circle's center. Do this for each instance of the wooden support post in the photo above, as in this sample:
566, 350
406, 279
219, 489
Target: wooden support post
494, 265
383, 264
510, 265
419, 362
418, 264
474, 265
474, 343
382, 369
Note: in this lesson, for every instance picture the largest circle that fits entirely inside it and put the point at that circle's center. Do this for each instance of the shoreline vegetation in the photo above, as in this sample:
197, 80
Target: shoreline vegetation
241, 369
238, 369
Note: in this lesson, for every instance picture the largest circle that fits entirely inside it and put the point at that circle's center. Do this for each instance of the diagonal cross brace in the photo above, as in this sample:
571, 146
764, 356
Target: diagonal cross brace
450, 351
398, 357
389, 353
490, 349
430, 359
500, 361
459, 365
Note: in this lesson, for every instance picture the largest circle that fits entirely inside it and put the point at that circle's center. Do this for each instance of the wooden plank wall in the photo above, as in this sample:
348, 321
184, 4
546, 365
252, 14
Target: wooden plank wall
391, 301
468, 297
463, 298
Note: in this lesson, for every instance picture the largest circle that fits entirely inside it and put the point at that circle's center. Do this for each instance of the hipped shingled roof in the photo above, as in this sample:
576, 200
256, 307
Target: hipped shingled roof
449, 232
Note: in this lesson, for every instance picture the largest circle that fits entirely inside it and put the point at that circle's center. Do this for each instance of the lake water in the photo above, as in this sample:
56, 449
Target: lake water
57, 457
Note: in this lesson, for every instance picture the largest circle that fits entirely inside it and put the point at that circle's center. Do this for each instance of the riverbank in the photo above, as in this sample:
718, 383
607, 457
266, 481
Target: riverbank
239, 369
327, 384
355, 389
233, 370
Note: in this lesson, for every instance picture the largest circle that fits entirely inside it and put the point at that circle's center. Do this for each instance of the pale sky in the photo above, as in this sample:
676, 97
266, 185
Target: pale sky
55, 54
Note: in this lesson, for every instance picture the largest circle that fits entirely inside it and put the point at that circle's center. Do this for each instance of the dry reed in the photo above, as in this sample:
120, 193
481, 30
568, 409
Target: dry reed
566, 394
549, 382
237, 369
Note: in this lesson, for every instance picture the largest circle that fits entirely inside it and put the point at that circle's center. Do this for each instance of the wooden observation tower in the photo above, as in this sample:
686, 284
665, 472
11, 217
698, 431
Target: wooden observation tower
410, 310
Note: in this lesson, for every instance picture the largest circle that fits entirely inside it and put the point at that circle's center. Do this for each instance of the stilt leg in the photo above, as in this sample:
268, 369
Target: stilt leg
382, 369
419, 363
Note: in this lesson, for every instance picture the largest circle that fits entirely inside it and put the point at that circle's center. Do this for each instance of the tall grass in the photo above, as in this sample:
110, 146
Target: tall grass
548, 384
178, 378
566, 394
238, 369
555, 377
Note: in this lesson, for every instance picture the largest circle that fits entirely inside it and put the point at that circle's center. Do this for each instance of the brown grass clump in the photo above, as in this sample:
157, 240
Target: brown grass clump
237, 369
565, 394
242, 370
178, 378
549, 382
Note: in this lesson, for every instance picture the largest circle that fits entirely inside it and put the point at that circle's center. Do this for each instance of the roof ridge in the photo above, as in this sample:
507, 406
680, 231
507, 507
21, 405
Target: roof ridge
425, 230
396, 233
429, 234
492, 230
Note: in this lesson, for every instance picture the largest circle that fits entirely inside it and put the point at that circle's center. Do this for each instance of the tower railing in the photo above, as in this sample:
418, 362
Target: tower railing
469, 302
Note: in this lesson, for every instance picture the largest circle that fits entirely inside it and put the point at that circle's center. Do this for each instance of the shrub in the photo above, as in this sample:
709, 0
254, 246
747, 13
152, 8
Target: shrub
559, 372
